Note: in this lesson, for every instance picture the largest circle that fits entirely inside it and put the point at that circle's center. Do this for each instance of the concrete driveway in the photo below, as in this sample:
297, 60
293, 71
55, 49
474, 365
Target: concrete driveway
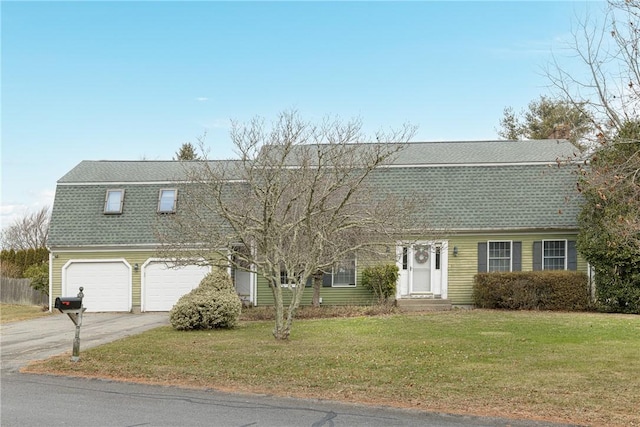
37, 339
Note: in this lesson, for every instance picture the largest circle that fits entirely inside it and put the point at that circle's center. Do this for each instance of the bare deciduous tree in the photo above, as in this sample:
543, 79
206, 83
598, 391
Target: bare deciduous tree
607, 86
297, 202
606, 81
29, 232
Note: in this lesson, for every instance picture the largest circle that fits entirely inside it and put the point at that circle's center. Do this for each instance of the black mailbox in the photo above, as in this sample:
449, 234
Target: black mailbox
68, 303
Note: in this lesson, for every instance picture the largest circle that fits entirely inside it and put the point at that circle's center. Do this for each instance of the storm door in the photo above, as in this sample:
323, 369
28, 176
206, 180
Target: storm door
420, 268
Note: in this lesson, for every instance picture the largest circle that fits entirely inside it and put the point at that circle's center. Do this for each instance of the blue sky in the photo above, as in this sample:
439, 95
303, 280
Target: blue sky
136, 80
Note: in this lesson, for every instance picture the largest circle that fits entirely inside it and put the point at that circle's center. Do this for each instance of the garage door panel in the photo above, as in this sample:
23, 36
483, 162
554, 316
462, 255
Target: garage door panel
163, 286
106, 285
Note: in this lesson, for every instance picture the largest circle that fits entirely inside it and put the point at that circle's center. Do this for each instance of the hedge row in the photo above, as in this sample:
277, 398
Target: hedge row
15, 263
537, 290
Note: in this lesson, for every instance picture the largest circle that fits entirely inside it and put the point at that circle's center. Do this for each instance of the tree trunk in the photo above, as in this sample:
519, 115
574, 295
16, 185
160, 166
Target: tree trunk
280, 331
317, 285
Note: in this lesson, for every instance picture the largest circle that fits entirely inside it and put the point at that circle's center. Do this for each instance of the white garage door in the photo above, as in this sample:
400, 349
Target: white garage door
163, 286
107, 285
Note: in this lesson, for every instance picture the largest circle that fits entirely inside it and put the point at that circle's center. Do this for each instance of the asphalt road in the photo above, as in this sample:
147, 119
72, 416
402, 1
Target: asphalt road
36, 400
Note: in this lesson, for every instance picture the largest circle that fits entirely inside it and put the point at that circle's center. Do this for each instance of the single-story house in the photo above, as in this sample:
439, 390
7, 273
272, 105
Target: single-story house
497, 206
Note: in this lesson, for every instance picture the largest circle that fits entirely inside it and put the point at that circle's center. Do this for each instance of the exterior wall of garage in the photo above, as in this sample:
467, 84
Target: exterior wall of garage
58, 259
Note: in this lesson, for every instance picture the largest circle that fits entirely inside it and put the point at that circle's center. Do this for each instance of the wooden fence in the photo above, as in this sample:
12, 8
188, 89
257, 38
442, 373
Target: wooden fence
19, 291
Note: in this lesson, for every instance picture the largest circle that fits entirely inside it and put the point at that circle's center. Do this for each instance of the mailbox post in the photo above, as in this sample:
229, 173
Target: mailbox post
72, 307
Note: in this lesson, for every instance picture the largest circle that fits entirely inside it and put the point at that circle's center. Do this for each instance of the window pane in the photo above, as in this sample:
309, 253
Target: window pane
499, 256
499, 249
405, 257
345, 273
167, 201
554, 255
113, 204
554, 248
499, 265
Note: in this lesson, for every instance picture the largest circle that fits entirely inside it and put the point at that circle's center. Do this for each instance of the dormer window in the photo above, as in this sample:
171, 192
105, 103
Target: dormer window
113, 202
167, 200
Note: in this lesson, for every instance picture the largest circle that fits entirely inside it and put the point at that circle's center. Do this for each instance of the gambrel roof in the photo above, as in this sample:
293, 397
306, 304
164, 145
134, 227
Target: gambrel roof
468, 186
485, 152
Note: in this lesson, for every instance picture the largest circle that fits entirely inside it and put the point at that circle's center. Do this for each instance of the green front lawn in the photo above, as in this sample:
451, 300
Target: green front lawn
572, 367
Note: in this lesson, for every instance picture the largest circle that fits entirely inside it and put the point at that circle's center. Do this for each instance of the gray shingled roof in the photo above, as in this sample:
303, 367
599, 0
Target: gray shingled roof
474, 152
452, 153
487, 185
506, 197
89, 171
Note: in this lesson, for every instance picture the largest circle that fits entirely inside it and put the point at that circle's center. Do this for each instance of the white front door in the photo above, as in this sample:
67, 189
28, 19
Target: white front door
420, 271
423, 269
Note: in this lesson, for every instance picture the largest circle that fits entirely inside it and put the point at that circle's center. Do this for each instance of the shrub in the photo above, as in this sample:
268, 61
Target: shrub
213, 304
10, 269
381, 280
539, 290
39, 275
21, 259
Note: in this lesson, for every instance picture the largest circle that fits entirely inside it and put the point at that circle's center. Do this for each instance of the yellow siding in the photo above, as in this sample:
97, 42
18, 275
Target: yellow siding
463, 268
346, 295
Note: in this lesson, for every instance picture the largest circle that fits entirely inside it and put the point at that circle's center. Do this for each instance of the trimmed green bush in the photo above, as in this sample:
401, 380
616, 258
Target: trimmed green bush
536, 290
381, 280
213, 304
39, 275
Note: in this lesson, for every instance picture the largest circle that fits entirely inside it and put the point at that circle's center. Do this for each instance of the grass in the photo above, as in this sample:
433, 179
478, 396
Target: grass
568, 367
14, 312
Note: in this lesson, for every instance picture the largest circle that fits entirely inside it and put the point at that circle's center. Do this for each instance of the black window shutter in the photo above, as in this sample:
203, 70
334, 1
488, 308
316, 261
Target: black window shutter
537, 255
482, 257
572, 255
326, 280
516, 257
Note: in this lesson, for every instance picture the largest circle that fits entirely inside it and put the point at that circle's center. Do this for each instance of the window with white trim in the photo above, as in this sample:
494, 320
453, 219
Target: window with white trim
499, 256
284, 279
290, 281
167, 200
554, 254
344, 273
113, 202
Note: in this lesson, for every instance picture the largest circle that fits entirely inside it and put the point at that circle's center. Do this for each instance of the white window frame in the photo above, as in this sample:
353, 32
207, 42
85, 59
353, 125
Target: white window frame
355, 275
175, 200
283, 280
489, 258
566, 254
109, 209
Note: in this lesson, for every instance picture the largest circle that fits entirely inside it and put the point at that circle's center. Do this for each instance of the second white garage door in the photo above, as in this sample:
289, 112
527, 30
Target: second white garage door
163, 286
